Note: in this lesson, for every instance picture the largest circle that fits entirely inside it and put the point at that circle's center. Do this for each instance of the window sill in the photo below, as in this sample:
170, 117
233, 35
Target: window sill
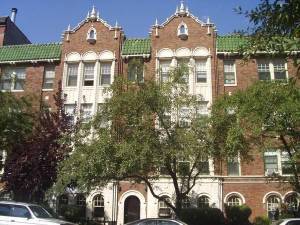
230, 85
17, 90
47, 89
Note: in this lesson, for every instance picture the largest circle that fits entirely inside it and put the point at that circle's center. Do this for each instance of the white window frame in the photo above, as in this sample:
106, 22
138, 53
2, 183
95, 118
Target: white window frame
205, 203
164, 64
237, 200
85, 78
69, 65
272, 67
163, 206
86, 112
101, 83
232, 64
200, 68
276, 154
47, 70
98, 202
13, 77
70, 110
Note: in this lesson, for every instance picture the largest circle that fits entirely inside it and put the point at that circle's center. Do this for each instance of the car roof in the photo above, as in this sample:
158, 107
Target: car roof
18, 203
146, 219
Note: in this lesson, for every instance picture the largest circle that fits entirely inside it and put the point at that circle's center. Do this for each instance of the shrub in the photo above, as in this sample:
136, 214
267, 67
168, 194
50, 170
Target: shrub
206, 216
238, 215
72, 213
261, 220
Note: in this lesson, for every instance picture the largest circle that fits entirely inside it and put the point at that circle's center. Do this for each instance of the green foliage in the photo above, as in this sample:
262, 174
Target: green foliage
264, 116
238, 215
261, 220
207, 216
72, 213
139, 137
16, 120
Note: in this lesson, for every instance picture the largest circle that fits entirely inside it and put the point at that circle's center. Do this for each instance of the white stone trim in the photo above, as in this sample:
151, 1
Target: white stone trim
289, 193
183, 52
123, 197
165, 53
73, 57
234, 193
106, 55
272, 193
90, 56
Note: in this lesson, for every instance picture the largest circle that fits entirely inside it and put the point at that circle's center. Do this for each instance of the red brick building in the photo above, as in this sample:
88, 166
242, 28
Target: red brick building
93, 53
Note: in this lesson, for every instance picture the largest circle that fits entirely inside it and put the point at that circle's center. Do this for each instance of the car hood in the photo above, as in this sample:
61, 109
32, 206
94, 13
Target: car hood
53, 221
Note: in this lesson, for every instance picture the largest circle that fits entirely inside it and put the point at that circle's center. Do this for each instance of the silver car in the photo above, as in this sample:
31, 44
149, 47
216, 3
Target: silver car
156, 221
18, 213
291, 221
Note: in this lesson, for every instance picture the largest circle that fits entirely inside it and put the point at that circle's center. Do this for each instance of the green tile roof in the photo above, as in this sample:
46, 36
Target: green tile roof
136, 47
230, 43
30, 52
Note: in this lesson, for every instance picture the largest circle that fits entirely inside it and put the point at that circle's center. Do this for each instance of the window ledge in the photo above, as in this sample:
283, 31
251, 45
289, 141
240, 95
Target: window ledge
17, 90
46, 89
230, 85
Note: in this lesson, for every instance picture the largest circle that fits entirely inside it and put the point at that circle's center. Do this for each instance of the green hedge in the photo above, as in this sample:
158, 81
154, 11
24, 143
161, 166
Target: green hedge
207, 216
261, 220
238, 215
72, 213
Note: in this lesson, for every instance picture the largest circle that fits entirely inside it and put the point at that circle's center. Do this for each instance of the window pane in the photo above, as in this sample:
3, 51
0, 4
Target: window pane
203, 166
164, 70
233, 167
263, 71
234, 201
70, 111
229, 72
86, 112
20, 75
201, 71
49, 76
20, 211
279, 70
72, 75
183, 168
203, 201
6, 80
271, 163
105, 73
4, 210
88, 74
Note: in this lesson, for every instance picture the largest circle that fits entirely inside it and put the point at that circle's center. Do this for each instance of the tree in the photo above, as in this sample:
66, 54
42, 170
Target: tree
150, 128
16, 120
31, 167
275, 28
265, 116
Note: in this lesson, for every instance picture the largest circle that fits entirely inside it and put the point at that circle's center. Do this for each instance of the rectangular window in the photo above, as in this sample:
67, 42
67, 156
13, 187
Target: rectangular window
203, 166
201, 71
86, 112
6, 80
72, 75
263, 69
229, 72
105, 70
13, 79
271, 163
49, 75
70, 110
183, 168
202, 108
88, 74
233, 166
279, 70
164, 70
183, 64
286, 165
136, 73
184, 117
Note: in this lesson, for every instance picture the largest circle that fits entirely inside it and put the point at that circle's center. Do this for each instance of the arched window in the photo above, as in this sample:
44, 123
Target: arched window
163, 209
63, 199
292, 202
80, 200
92, 34
98, 206
273, 204
182, 29
203, 201
234, 200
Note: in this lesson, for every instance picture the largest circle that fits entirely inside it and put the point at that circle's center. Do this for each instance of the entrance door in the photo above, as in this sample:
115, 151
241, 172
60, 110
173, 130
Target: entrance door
131, 209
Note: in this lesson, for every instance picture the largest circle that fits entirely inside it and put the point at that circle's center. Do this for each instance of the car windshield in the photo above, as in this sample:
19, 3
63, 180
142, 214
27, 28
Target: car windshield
40, 212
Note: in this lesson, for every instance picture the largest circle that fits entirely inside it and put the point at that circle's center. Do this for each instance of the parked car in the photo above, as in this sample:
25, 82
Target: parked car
156, 221
291, 221
18, 213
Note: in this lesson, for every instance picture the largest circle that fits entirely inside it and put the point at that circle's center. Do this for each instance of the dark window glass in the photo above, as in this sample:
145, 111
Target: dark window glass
4, 210
20, 211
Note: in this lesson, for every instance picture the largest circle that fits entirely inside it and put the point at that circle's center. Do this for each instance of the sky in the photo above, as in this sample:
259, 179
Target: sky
44, 21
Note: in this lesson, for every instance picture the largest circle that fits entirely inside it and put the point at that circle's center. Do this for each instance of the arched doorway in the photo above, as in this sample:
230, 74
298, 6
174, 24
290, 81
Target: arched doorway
131, 209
